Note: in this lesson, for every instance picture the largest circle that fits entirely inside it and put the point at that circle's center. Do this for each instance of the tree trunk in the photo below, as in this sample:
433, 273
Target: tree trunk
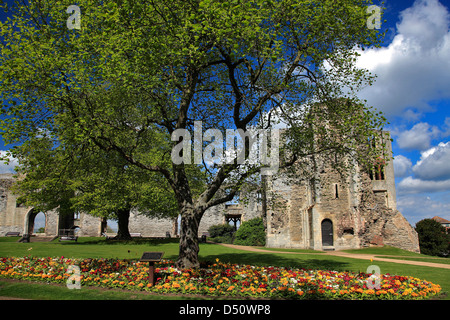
188, 254
123, 216
175, 227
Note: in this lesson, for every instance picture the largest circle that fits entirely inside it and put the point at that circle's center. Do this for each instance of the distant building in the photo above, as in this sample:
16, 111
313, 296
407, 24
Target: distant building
445, 223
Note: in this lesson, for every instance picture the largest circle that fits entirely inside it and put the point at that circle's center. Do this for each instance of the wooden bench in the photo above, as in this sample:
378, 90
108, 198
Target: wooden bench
12, 234
136, 235
67, 235
68, 238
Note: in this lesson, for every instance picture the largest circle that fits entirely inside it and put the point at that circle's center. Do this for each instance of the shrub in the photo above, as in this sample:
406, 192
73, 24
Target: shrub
221, 233
251, 233
433, 239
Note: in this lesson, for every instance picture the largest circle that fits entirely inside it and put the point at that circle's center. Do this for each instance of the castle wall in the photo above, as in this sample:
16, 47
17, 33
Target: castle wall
90, 226
12, 216
149, 227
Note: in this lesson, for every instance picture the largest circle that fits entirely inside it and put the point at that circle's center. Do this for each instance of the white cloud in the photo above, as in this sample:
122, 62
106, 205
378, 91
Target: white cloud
7, 168
417, 207
402, 166
434, 163
430, 174
415, 67
418, 137
446, 127
413, 185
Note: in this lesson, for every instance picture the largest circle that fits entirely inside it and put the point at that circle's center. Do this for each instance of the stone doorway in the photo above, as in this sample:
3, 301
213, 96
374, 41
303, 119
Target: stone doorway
31, 222
327, 233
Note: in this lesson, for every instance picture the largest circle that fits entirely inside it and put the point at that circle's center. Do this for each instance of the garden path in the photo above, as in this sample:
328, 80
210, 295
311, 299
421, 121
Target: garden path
373, 257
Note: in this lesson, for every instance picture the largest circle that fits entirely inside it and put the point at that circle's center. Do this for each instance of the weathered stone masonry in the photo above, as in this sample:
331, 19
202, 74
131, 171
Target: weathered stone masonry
334, 212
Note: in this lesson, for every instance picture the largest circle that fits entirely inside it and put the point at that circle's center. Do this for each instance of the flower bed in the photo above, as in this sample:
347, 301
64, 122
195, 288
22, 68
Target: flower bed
219, 279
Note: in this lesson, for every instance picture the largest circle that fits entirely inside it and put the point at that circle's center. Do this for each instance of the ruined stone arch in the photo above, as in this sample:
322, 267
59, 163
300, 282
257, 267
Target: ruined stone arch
29, 221
51, 221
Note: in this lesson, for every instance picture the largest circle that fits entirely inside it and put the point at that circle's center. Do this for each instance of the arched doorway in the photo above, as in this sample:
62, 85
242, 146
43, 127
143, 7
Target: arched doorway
36, 222
327, 233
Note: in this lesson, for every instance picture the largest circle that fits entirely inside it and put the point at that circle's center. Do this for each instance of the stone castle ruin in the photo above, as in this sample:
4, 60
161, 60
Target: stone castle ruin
335, 213
327, 213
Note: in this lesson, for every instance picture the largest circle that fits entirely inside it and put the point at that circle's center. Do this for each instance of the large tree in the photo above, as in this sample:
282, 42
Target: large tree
139, 70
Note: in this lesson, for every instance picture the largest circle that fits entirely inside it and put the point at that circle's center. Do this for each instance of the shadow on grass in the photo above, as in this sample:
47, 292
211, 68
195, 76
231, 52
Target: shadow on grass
136, 241
261, 259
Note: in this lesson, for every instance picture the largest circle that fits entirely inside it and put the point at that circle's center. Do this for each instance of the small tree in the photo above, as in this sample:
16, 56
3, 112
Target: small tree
433, 239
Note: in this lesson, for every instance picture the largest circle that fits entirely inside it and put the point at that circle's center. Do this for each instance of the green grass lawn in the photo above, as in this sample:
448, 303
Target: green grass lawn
99, 247
42, 291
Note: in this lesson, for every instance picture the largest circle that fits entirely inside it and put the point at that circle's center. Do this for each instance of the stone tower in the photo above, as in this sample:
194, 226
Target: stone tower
335, 212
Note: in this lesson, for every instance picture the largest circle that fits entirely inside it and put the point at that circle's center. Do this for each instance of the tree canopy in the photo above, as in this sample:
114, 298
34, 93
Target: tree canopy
136, 71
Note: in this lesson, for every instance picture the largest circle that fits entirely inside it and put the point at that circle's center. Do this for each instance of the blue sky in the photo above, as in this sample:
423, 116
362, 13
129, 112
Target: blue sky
413, 90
